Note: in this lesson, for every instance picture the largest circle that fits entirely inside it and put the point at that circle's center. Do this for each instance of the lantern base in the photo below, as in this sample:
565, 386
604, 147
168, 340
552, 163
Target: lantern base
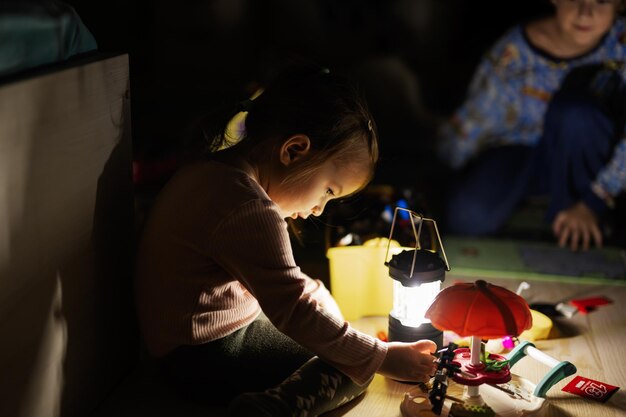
401, 333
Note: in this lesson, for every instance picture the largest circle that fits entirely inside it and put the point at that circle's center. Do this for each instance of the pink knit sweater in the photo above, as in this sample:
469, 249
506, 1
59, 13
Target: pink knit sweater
214, 253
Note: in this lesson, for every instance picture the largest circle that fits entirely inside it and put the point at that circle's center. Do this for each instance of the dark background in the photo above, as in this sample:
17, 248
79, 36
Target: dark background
412, 58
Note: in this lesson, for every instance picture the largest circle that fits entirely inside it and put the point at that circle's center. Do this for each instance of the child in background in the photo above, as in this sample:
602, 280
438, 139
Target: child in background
544, 116
221, 301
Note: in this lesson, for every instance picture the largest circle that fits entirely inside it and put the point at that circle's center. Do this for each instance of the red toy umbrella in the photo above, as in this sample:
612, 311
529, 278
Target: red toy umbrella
480, 309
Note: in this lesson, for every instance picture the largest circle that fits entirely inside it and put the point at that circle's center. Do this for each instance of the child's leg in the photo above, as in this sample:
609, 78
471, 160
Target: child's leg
254, 358
581, 130
579, 137
313, 389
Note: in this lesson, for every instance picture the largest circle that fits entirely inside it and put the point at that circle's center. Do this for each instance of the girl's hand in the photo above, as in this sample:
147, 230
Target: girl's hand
409, 362
578, 225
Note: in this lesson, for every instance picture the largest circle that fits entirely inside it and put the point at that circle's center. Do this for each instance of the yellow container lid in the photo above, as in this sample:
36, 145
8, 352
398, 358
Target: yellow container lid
359, 279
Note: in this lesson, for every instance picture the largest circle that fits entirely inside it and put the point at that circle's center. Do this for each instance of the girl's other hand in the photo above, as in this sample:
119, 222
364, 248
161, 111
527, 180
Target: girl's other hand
409, 362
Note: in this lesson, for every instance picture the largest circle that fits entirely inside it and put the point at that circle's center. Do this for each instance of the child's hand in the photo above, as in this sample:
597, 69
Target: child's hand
410, 362
578, 225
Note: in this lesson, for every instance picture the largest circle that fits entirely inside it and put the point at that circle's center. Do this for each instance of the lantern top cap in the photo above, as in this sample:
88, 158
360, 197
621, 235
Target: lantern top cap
426, 265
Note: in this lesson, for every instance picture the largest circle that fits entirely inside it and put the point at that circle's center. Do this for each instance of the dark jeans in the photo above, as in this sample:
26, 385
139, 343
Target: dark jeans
581, 128
272, 372
254, 358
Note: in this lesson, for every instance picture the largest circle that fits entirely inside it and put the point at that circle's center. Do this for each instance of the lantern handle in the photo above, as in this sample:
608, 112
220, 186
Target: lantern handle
416, 234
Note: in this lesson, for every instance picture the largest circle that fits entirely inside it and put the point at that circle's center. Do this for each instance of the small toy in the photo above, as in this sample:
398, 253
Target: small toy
483, 311
587, 305
590, 388
466, 410
445, 368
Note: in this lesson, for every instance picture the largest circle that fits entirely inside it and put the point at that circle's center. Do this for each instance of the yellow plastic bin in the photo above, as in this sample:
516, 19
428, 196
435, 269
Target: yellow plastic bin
359, 279
542, 325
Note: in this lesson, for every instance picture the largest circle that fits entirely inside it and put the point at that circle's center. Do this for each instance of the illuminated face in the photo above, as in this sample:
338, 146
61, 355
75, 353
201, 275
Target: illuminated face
329, 182
584, 22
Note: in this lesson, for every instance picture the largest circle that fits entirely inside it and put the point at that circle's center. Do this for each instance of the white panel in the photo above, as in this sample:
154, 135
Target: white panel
66, 239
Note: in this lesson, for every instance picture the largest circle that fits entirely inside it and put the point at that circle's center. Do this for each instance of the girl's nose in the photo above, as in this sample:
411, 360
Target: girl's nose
319, 209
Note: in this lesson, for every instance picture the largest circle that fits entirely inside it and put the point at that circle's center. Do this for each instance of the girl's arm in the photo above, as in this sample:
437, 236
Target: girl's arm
320, 293
411, 362
252, 245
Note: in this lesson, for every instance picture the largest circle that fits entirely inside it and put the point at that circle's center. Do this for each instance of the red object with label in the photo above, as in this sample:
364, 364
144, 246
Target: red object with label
589, 388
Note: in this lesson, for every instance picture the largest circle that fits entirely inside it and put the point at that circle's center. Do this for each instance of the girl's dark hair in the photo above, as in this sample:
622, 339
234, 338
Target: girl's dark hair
304, 100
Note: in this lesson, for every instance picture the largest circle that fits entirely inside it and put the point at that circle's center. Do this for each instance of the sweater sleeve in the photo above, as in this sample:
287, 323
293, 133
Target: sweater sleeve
324, 298
252, 244
492, 105
611, 180
475, 123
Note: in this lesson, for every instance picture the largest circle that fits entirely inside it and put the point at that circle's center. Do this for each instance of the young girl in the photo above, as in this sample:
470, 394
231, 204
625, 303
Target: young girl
221, 301
544, 115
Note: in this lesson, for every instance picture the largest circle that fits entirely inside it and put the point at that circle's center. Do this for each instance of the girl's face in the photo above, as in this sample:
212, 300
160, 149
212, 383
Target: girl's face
584, 22
329, 182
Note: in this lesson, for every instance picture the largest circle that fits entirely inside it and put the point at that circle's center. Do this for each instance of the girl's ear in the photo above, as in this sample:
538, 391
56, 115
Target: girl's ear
294, 148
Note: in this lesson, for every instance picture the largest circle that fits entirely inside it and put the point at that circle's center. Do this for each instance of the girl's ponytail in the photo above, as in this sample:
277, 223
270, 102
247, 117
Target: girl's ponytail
209, 132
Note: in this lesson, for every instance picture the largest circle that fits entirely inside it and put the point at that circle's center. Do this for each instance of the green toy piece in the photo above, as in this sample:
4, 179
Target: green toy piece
466, 410
491, 365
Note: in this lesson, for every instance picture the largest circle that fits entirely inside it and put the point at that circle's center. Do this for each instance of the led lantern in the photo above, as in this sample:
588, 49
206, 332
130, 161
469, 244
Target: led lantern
417, 274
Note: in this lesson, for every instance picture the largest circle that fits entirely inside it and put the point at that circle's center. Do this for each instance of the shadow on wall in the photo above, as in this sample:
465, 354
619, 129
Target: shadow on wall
65, 253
